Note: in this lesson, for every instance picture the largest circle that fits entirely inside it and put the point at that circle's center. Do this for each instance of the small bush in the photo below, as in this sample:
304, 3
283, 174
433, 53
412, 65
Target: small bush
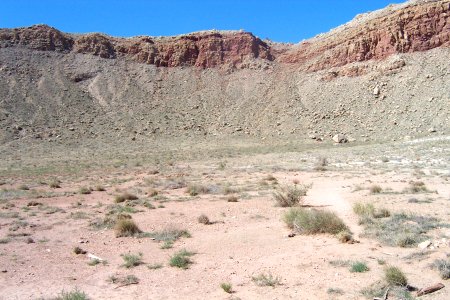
181, 259
416, 187
375, 189
227, 287
196, 189
364, 210
266, 280
77, 250
126, 227
167, 245
345, 236
443, 266
395, 277
84, 190
313, 221
203, 219
359, 267
124, 197
132, 260
321, 164
155, 266
170, 233
74, 295
290, 196
232, 199
100, 188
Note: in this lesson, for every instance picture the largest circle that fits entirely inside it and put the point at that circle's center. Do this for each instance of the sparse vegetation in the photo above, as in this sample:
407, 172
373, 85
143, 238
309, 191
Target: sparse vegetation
403, 230
181, 259
84, 190
232, 199
155, 266
443, 266
132, 260
197, 189
169, 234
345, 236
335, 291
124, 197
416, 187
290, 196
266, 280
313, 221
395, 277
203, 219
126, 227
227, 287
74, 295
375, 189
359, 267
321, 164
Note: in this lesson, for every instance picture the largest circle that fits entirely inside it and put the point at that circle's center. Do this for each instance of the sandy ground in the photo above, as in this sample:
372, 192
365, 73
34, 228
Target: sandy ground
246, 238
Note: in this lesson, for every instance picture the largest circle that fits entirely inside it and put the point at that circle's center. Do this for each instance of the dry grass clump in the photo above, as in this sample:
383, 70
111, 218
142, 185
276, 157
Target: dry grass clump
416, 187
395, 277
375, 189
197, 189
345, 236
132, 260
443, 266
313, 221
227, 287
203, 219
126, 227
55, 184
289, 196
124, 197
367, 211
169, 234
84, 190
232, 199
266, 280
321, 164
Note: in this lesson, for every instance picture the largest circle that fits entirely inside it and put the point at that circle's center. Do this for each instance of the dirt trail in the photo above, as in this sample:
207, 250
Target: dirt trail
331, 194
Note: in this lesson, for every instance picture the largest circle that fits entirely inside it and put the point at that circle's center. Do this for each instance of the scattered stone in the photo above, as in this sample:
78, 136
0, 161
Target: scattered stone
432, 130
376, 91
340, 138
424, 244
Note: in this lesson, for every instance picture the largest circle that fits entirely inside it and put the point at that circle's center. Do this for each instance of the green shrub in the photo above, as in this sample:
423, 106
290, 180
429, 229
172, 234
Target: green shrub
227, 287
74, 295
181, 259
358, 267
132, 260
313, 221
395, 277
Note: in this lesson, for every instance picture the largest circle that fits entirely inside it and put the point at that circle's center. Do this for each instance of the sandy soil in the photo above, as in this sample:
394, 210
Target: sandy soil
246, 238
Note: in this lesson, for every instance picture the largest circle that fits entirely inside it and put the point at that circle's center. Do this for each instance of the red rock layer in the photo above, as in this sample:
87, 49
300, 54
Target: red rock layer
417, 27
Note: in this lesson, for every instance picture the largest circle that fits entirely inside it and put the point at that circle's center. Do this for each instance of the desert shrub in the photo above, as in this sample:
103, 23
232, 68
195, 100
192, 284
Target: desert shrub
197, 189
403, 230
266, 280
181, 259
232, 199
77, 250
74, 295
170, 234
167, 245
155, 266
313, 221
54, 184
359, 267
132, 260
203, 219
416, 187
84, 190
321, 164
153, 193
290, 196
443, 266
345, 236
375, 189
126, 227
124, 197
227, 287
24, 187
335, 291
382, 213
364, 210
395, 277
100, 188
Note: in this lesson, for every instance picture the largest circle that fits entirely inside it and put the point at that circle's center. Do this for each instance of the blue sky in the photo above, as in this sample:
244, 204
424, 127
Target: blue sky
281, 21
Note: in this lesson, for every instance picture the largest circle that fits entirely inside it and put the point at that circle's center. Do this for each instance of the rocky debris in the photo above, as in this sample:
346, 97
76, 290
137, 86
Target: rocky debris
340, 138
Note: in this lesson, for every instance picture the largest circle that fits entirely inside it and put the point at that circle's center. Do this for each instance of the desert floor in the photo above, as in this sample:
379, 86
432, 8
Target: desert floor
41, 223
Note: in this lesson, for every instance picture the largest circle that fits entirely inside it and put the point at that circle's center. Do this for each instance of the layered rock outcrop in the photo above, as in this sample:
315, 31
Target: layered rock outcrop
413, 26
